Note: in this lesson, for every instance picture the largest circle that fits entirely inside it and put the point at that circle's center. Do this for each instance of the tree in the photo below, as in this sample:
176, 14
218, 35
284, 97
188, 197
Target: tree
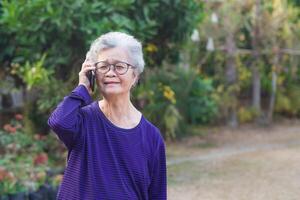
256, 82
256, 34
223, 32
63, 31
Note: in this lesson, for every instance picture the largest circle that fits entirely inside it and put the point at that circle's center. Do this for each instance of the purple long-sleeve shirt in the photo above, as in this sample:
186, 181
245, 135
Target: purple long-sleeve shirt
107, 162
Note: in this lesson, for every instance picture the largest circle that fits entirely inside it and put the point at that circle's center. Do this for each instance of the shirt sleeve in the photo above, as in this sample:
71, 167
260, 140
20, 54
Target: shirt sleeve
66, 120
158, 185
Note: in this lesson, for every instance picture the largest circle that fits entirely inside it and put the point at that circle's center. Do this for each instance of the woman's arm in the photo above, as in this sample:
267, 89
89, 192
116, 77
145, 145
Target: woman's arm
66, 120
158, 186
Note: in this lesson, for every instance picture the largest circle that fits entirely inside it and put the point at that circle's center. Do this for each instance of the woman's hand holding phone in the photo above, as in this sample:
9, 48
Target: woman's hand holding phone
86, 72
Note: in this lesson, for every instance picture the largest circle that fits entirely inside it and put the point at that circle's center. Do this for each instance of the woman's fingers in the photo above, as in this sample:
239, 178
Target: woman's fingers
85, 69
86, 64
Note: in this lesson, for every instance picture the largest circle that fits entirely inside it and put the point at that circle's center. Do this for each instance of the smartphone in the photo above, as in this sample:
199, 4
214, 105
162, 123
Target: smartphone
91, 77
91, 73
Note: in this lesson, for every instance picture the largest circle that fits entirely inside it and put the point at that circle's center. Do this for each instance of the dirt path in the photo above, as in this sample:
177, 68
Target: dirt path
244, 164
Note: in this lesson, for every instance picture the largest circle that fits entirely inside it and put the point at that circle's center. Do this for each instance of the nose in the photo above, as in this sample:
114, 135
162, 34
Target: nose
111, 72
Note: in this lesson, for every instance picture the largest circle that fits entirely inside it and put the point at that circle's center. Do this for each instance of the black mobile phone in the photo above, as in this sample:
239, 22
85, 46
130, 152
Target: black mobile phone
91, 77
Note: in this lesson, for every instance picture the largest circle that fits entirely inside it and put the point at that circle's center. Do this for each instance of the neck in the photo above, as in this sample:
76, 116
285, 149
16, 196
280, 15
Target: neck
116, 107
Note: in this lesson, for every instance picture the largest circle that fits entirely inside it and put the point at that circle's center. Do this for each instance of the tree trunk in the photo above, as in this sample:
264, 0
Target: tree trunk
272, 98
256, 85
231, 79
274, 87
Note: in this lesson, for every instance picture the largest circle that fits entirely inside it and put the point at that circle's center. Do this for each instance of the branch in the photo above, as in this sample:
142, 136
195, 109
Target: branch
290, 51
294, 52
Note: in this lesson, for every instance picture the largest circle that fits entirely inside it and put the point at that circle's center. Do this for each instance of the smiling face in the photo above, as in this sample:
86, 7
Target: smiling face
111, 83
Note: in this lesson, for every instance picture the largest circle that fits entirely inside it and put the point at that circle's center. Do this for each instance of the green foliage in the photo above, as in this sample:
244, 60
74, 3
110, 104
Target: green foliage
24, 158
44, 42
34, 74
51, 93
56, 89
288, 101
157, 101
277, 28
175, 22
10, 187
247, 114
65, 29
173, 107
171, 119
295, 2
43, 39
201, 106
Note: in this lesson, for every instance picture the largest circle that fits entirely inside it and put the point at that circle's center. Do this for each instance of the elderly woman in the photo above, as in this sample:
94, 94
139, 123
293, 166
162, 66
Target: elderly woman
114, 152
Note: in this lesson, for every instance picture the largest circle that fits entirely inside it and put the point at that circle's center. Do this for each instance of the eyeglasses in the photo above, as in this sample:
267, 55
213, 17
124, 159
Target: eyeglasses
119, 67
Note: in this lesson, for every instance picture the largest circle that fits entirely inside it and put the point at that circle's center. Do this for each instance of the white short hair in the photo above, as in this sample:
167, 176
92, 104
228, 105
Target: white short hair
118, 39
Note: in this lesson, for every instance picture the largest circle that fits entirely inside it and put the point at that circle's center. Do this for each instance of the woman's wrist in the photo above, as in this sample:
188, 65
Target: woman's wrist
82, 91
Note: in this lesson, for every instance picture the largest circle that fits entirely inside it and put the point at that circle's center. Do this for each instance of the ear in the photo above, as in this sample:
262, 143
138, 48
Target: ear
136, 78
136, 81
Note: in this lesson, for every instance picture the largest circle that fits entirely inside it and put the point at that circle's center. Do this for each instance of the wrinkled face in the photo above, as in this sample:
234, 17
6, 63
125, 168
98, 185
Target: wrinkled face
112, 83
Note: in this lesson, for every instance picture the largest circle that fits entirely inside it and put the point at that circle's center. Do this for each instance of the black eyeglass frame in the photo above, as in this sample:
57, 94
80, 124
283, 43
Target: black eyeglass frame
114, 66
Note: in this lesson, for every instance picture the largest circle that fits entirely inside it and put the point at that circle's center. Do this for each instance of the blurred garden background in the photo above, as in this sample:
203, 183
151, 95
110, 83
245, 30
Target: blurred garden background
221, 82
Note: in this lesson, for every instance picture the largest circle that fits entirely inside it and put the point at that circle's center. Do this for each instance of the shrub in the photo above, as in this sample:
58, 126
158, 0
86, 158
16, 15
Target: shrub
247, 114
171, 98
24, 158
63, 30
288, 101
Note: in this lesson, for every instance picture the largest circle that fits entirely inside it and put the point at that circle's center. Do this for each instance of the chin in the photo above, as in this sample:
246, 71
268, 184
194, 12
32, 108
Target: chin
112, 92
